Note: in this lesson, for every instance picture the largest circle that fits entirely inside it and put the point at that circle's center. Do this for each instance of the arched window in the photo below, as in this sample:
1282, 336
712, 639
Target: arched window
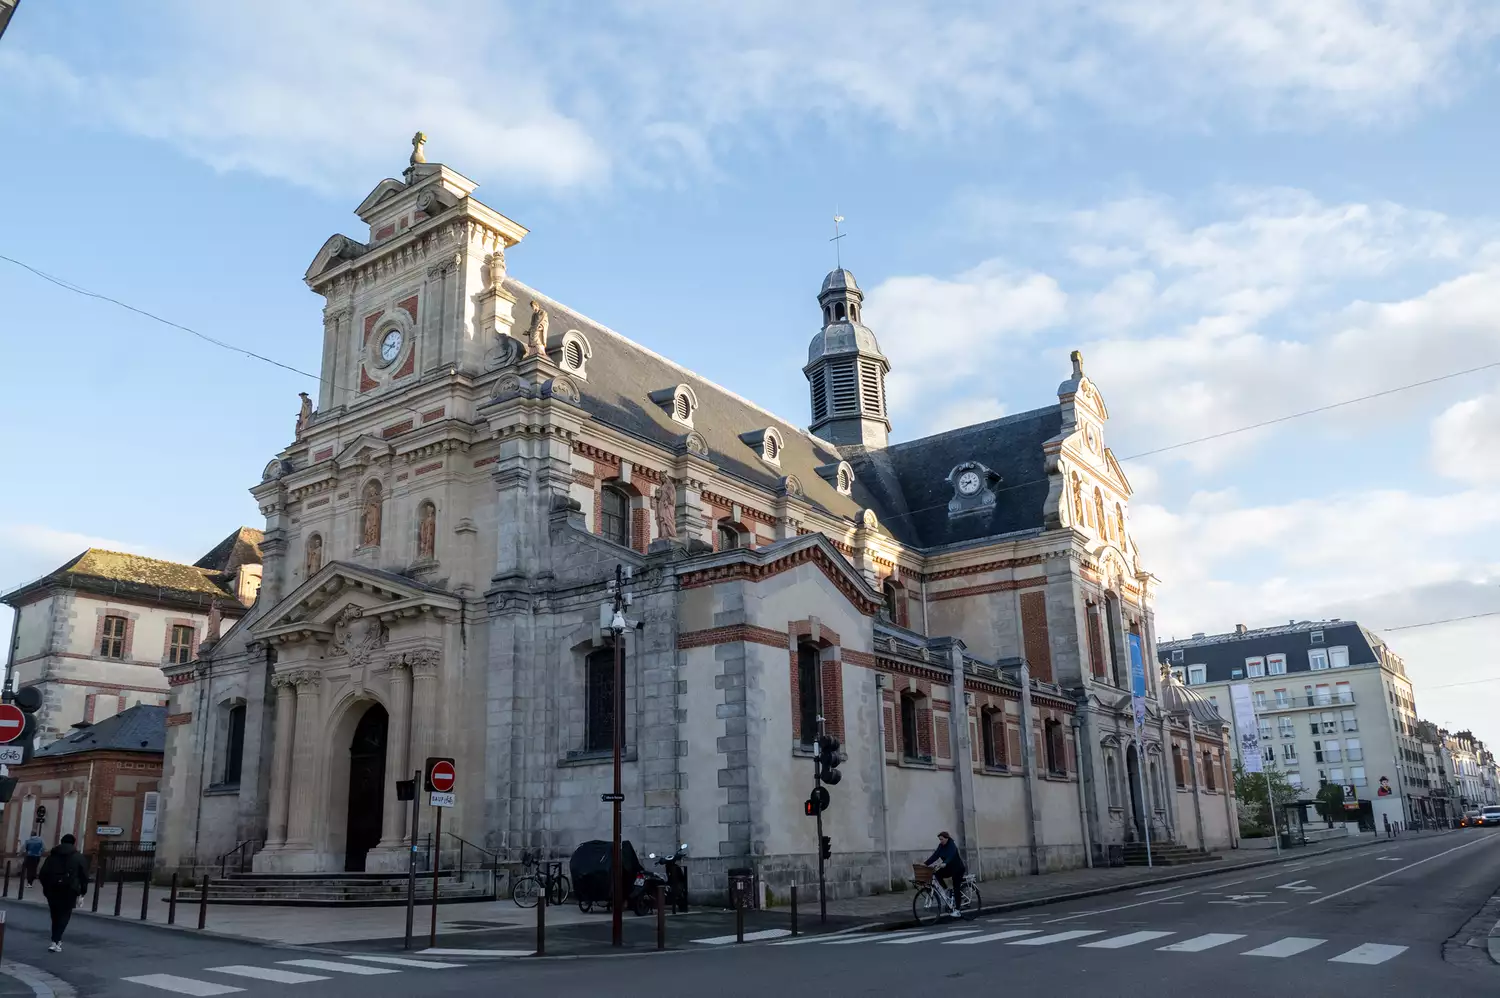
992, 734
230, 754
681, 408
1208, 770
729, 536
808, 658
1055, 748
838, 311
845, 479
894, 609
599, 733
914, 748
772, 447
1179, 771
314, 555
614, 515
369, 515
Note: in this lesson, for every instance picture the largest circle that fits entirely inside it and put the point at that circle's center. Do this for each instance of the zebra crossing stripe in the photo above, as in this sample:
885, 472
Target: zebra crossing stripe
1057, 937
1129, 939
749, 937
267, 974
1282, 948
873, 937
338, 968
992, 937
402, 961
927, 937
1200, 943
182, 985
1369, 954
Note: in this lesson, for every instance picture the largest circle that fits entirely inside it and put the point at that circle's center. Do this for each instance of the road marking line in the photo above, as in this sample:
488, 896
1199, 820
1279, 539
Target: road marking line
182, 985
874, 937
1159, 890
266, 974
1057, 937
401, 961
1200, 943
1129, 939
1290, 946
1346, 890
749, 937
927, 937
1369, 954
338, 968
1101, 911
1011, 934
476, 952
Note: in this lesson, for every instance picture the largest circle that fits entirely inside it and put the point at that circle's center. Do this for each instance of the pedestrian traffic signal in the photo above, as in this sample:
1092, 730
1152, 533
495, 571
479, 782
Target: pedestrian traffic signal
809, 808
829, 758
816, 803
827, 847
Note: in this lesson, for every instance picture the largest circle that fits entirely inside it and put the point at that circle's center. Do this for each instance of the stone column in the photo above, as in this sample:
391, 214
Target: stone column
397, 763
424, 681
963, 759
281, 759
303, 781
1028, 767
1193, 768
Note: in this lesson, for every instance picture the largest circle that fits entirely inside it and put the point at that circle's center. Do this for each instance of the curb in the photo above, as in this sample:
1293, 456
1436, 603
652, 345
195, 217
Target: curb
1493, 943
906, 922
41, 983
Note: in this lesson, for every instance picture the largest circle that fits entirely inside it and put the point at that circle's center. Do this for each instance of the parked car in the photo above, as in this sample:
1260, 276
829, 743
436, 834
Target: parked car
1469, 820
1490, 815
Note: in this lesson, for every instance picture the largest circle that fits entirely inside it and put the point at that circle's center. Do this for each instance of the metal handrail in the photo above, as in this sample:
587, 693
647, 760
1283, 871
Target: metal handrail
494, 860
223, 860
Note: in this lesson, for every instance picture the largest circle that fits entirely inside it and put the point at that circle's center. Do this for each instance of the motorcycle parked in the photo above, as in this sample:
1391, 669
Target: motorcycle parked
676, 881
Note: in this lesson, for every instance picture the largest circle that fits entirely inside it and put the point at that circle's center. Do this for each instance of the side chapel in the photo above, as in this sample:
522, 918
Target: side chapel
441, 533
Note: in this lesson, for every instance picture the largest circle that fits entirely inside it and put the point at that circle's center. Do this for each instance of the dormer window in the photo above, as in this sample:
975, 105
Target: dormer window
575, 354
767, 444
680, 403
845, 481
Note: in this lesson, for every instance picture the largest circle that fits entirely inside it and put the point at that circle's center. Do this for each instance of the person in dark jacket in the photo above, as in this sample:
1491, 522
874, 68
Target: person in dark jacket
949, 864
65, 879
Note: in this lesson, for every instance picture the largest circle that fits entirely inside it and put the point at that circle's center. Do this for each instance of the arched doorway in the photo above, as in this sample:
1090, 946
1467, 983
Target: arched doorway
1137, 800
366, 787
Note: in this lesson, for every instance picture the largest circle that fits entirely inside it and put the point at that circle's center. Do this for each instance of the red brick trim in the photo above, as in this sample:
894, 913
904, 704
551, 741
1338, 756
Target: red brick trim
317, 502
410, 306
166, 641
432, 414
403, 476
173, 720
128, 645
863, 659
366, 383
409, 366
181, 679
989, 566
396, 429
1003, 586
486, 460
323, 454
434, 466
728, 635
584, 478
1035, 635
756, 573
370, 321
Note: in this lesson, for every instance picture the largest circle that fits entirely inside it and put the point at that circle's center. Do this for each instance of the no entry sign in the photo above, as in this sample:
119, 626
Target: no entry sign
12, 722
441, 776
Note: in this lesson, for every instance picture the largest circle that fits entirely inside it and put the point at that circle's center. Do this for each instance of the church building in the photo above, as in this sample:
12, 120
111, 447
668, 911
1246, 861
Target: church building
960, 611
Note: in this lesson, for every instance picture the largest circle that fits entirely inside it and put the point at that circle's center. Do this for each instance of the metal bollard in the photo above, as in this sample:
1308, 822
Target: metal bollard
6, 891
203, 903
739, 921
172, 903
21, 885
98, 880
794, 909
145, 895
661, 917
541, 923
119, 891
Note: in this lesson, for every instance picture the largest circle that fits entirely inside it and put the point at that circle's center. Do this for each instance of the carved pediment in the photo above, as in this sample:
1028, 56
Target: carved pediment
384, 191
331, 604
335, 251
362, 452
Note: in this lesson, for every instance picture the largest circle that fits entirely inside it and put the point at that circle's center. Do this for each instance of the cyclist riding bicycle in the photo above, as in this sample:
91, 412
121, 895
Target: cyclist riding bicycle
948, 865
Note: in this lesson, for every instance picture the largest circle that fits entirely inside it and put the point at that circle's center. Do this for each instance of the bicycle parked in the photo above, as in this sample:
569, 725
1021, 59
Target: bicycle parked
933, 900
525, 891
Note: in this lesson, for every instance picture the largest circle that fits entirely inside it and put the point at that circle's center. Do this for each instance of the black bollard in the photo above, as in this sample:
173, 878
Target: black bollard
6, 892
172, 903
203, 903
119, 891
794, 909
541, 923
145, 895
21, 885
98, 880
739, 920
661, 916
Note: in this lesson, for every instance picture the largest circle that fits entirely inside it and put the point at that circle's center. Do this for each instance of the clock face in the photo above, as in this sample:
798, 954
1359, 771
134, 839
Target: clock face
390, 347
968, 483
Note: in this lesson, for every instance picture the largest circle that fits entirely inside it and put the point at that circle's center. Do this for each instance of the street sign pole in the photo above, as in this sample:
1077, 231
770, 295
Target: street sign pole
437, 862
818, 782
617, 886
411, 859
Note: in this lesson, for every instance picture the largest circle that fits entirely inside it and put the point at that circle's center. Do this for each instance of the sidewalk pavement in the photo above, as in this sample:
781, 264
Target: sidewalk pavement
893, 910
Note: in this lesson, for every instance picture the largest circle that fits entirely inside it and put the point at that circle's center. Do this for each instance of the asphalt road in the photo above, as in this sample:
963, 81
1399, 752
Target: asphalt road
1373, 919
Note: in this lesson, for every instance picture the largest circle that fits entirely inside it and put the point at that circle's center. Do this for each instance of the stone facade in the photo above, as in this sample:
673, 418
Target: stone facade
442, 534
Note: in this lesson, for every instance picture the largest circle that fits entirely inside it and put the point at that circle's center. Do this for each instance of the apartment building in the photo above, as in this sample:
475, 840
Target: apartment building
1332, 702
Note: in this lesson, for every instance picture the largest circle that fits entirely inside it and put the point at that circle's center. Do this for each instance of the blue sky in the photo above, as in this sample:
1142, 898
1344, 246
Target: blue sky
1236, 210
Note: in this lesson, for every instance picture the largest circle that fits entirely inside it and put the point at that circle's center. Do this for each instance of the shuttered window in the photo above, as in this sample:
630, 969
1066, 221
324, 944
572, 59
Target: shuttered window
869, 388
843, 386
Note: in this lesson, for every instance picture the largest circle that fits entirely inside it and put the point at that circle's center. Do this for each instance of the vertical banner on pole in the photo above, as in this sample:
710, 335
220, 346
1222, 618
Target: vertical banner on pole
1138, 708
1248, 726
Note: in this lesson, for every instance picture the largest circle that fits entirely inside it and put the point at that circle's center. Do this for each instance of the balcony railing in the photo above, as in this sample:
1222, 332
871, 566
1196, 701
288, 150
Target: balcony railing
1302, 702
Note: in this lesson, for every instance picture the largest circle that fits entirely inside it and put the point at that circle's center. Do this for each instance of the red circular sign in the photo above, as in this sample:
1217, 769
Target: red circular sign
443, 777
13, 721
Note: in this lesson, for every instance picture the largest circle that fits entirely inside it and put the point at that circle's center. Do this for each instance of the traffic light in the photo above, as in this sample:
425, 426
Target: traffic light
826, 847
829, 758
816, 803
809, 808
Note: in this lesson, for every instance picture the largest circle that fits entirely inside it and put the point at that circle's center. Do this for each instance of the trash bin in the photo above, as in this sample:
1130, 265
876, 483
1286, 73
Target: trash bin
1286, 840
742, 892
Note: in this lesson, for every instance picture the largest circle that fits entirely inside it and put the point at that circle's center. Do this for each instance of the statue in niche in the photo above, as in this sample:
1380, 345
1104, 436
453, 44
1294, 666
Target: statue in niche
314, 555
427, 532
1078, 514
369, 516
664, 505
304, 414
536, 336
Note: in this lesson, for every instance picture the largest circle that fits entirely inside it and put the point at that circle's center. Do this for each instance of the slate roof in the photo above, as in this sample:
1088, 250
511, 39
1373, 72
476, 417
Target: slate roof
1225, 653
129, 575
142, 728
621, 375
240, 548
907, 483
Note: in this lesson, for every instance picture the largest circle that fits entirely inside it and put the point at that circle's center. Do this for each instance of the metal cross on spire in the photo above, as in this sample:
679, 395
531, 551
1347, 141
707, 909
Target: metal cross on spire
838, 254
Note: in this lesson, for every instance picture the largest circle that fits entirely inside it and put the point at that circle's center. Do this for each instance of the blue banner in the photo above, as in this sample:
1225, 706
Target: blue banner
1137, 680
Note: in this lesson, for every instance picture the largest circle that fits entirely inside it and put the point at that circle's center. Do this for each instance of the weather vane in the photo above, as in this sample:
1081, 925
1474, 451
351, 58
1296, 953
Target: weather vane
837, 246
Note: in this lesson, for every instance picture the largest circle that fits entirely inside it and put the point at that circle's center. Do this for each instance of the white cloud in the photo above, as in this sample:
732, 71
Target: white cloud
570, 94
1466, 440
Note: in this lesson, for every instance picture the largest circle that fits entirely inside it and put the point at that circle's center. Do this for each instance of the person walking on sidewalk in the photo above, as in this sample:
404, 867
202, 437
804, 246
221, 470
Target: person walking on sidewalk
65, 879
33, 848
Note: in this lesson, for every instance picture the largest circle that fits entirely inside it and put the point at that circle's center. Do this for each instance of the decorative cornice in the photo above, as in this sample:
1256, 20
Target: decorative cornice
735, 632
751, 572
1003, 586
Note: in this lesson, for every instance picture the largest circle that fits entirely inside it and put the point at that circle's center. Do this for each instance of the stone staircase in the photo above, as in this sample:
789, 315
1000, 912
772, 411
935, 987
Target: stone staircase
1165, 854
347, 890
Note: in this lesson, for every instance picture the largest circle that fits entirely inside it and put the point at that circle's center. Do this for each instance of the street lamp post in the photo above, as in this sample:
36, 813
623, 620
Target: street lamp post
617, 887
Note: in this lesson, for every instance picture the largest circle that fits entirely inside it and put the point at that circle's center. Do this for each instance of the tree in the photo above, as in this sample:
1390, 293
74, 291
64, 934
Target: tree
1250, 788
1331, 803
